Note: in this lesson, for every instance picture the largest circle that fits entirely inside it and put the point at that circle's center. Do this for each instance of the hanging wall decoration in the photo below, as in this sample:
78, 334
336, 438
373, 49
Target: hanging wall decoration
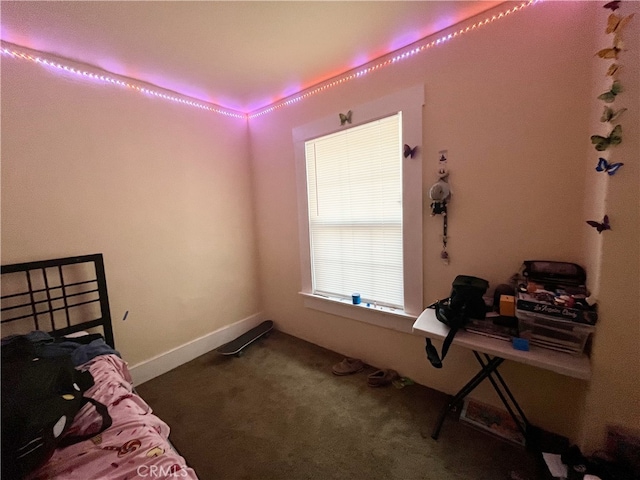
600, 226
615, 25
611, 115
409, 152
610, 168
610, 52
612, 70
440, 193
345, 117
614, 138
610, 95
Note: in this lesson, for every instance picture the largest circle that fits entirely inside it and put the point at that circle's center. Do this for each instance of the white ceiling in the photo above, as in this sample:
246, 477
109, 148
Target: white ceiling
238, 54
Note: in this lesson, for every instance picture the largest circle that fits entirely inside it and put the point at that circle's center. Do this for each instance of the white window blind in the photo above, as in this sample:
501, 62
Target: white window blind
354, 186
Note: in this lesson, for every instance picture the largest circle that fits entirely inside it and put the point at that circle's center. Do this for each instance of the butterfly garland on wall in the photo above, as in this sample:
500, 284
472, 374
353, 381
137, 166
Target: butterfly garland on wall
407, 151
345, 117
615, 25
605, 166
603, 143
600, 226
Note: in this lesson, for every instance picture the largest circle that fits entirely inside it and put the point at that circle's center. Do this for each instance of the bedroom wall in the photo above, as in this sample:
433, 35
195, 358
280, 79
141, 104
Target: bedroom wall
512, 103
162, 190
165, 192
614, 397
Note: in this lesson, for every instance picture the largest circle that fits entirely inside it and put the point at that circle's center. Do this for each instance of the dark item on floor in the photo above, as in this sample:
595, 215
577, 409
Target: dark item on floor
623, 445
348, 366
237, 346
382, 378
601, 465
540, 441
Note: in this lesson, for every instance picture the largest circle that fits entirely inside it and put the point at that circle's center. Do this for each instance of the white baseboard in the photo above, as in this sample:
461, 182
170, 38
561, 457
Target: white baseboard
167, 361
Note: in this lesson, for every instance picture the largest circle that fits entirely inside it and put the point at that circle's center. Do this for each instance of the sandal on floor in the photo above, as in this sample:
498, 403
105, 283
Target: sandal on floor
382, 378
348, 366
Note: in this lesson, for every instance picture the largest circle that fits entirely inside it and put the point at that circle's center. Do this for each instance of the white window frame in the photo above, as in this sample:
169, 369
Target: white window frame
410, 103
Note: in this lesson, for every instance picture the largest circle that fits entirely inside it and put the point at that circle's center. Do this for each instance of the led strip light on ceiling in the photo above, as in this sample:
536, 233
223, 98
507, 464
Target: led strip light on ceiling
102, 76
391, 58
93, 73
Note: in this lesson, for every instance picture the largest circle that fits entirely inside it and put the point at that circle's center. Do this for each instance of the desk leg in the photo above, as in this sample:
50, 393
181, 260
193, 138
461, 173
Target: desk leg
519, 422
491, 365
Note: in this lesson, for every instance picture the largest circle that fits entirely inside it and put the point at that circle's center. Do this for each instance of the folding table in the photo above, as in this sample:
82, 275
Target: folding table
490, 354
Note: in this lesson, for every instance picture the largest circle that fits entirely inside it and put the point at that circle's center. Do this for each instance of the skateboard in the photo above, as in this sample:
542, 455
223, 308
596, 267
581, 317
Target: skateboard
236, 347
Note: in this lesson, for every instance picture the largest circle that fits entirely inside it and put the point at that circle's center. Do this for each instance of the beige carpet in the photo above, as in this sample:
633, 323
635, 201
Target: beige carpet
278, 412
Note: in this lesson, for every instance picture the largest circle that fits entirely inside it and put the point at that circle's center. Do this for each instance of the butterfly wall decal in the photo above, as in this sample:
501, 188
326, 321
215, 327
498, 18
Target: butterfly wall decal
600, 226
616, 24
610, 96
409, 152
345, 118
605, 166
613, 51
602, 143
613, 6
611, 115
613, 69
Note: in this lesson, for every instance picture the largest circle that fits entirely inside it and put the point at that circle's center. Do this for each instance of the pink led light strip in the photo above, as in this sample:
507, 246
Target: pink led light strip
17, 52
409, 52
22, 53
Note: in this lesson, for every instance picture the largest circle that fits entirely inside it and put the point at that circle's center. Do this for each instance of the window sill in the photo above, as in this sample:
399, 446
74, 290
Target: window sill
393, 319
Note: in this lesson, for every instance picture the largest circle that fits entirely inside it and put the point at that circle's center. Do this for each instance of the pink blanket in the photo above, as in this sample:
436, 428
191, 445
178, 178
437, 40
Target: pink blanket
134, 447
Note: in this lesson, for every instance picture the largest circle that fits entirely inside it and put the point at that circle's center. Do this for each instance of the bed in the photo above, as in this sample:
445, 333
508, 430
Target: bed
63, 304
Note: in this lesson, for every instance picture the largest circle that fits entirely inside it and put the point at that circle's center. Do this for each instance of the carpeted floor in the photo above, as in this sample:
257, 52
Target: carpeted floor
278, 412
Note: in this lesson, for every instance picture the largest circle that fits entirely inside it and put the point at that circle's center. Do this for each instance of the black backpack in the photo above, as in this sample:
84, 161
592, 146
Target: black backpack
40, 398
464, 303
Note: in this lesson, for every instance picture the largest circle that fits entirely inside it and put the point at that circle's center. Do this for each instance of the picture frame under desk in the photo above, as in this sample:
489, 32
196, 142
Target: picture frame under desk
490, 354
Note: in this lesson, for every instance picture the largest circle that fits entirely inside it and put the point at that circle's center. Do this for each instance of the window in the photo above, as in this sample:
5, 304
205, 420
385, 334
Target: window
354, 193
360, 211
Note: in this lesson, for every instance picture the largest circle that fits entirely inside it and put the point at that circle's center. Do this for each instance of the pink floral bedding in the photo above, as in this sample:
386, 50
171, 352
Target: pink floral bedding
136, 445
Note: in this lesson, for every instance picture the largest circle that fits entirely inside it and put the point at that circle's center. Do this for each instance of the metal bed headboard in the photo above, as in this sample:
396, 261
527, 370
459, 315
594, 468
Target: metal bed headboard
60, 296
